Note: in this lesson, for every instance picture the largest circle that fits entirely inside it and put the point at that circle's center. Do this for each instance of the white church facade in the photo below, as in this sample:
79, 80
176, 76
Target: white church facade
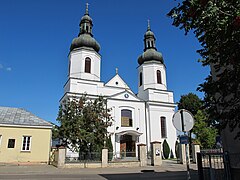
139, 118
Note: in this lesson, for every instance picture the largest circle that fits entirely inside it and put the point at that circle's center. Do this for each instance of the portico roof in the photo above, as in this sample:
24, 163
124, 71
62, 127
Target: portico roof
129, 132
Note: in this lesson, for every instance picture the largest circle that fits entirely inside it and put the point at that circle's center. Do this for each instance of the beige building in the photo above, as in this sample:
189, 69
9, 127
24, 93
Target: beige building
24, 137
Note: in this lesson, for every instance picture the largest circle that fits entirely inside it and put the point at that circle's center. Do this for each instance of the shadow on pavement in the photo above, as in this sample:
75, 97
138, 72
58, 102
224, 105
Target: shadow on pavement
151, 174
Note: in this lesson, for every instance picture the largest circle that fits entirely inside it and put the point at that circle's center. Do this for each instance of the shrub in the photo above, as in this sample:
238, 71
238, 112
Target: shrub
177, 149
166, 149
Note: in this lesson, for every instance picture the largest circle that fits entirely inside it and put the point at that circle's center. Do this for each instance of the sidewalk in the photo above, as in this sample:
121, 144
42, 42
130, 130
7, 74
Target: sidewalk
167, 166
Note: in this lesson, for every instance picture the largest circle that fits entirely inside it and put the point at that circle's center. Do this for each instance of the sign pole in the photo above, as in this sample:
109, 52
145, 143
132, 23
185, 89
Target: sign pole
186, 146
183, 121
187, 162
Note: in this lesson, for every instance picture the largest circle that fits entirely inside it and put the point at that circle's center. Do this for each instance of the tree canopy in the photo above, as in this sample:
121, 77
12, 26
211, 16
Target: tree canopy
190, 102
83, 123
216, 25
205, 134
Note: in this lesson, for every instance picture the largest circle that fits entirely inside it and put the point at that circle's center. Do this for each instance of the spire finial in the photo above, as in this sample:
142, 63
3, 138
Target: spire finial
148, 28
87, 8
116, 70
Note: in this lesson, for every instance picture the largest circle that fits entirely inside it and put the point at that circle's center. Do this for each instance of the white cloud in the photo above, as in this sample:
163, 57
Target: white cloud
8, 69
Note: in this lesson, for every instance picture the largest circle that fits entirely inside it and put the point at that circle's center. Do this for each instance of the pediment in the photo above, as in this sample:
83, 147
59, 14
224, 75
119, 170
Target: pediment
125, 95
117, 81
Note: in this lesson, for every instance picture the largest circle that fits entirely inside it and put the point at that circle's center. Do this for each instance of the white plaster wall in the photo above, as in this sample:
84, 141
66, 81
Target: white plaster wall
138, 116
149, 76
162, 96
77, 64
155, 113
156, 95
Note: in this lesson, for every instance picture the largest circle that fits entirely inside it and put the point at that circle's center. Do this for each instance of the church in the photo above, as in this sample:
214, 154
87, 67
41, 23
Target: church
140, 118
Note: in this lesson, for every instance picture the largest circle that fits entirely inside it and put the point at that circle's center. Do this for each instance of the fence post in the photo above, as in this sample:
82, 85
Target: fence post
227, 168
61, 156
182, 154
104, 157
156, 159
200, 167
142, 154
195, 150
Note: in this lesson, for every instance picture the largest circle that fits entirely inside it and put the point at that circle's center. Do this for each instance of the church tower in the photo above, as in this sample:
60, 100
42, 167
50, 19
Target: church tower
151, 70
84, 60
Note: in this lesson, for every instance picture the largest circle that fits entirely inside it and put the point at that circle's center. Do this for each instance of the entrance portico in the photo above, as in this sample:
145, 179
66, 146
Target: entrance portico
127, 141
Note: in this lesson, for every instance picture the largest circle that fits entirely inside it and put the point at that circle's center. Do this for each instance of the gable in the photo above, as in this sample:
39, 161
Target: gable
117, 81
125, 95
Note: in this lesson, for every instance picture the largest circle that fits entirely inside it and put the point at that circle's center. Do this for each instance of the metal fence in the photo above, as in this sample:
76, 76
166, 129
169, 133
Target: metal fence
122, 156
213, 165
85, 157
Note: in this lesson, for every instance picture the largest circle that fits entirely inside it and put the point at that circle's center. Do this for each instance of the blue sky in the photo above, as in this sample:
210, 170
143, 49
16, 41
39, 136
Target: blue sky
35, 37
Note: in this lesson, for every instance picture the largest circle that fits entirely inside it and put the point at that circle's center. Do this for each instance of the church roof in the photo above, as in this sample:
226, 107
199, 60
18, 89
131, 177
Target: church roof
85, 36
19, 116
150, 51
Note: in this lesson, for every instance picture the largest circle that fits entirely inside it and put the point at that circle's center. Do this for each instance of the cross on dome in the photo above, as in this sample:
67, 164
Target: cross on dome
148, 28
86, 12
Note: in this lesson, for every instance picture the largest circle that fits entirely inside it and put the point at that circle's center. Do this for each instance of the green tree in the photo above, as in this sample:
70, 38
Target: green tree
83, 124
216, 25
205, 134
190, 102
55, 132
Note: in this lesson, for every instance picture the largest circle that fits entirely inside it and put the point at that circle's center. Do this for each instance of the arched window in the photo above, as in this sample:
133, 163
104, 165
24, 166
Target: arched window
126, 118
88, 65
87, 28
159, 78
163, 127
148, 44
140, 79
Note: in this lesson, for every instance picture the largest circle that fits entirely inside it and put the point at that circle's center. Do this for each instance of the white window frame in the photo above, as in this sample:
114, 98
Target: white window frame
24, 144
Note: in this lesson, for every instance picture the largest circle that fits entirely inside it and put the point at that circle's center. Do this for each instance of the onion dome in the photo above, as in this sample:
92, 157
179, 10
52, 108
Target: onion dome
85, 36
150, 51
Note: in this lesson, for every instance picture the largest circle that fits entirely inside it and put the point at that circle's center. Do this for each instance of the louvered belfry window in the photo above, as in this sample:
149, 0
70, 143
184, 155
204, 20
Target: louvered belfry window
159, 78
88, 65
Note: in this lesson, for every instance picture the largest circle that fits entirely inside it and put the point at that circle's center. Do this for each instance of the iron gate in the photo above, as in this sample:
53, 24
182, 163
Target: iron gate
213, 166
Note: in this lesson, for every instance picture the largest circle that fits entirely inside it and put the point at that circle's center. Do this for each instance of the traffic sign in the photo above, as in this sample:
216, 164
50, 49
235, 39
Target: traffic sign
184, 139
183, 120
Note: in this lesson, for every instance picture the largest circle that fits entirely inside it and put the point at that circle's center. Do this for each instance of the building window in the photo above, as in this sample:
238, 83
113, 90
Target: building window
11, 143
0, 140
126, 118
26, 142
163, 127
88, 65
159, 79
140, 79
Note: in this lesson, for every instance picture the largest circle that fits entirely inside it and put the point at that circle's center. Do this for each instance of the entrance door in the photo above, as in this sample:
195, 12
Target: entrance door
127, 146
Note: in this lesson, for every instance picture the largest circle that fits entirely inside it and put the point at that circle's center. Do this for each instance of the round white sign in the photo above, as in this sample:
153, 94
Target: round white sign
183, 120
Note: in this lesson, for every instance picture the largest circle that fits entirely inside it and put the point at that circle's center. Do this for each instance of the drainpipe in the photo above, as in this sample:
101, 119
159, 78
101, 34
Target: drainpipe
146, 125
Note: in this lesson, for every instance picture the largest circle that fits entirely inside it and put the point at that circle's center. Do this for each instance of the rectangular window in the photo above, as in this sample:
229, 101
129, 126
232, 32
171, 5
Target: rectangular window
0, 140
11, 143
26, 143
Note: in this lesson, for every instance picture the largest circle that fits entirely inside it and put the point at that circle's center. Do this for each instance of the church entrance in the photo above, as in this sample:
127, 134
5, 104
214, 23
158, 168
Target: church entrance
127, 146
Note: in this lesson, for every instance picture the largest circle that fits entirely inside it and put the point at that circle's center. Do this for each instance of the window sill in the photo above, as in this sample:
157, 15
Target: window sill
25, 151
